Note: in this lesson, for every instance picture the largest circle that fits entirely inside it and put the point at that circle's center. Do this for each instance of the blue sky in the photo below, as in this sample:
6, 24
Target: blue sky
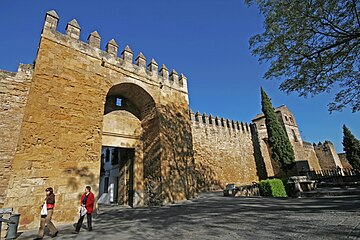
207, 40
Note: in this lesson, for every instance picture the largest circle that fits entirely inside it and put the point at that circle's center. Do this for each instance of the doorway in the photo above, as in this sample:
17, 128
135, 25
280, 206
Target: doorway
117, 176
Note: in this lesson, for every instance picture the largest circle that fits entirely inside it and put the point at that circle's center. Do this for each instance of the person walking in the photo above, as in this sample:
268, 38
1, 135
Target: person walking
87, 202
49, 204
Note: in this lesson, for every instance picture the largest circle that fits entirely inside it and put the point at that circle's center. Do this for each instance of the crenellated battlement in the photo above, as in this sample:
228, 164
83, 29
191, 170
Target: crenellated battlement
327, 156
209, 120
109, 57
323, 145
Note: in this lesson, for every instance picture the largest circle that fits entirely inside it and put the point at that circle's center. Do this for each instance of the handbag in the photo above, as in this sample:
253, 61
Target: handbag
83, 211
44, 210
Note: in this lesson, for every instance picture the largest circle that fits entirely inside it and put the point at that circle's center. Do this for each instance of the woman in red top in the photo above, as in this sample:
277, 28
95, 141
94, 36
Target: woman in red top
46, 219
87, 201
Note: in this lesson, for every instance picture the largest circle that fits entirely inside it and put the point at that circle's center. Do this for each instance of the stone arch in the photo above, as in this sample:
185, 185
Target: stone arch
137, 100
131, 122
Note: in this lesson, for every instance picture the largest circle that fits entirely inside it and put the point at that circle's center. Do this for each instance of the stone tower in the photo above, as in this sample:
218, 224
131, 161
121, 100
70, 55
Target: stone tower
303, 159
79, 99
328, 158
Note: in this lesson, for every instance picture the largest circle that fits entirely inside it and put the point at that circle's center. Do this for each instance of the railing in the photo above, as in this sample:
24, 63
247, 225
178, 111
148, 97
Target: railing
332, 175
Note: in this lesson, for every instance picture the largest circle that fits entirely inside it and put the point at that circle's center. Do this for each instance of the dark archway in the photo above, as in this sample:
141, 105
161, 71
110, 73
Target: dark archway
133, 98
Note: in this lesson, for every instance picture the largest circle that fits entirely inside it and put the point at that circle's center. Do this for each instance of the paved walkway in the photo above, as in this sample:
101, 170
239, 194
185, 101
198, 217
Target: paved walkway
212, 216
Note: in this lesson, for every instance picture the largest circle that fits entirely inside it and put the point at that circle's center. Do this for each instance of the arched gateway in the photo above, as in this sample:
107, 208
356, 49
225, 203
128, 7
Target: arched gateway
129, 114
89, 112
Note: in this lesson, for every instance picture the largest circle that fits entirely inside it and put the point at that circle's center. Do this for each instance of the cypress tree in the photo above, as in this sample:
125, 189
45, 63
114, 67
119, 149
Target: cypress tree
351, 148
279, 143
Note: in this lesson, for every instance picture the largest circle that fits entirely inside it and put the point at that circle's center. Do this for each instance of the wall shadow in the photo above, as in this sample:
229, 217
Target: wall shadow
206, 179
259, 160
85, 176
177, 156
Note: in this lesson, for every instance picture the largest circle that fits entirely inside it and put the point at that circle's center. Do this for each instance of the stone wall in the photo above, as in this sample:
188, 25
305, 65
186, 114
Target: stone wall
345, 163
223, 151
271, 168
60, 138
311, 157
14, 89
121, 125
177, 165
327, 156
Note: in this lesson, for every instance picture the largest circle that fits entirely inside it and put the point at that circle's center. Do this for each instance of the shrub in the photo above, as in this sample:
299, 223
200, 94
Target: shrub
272, 188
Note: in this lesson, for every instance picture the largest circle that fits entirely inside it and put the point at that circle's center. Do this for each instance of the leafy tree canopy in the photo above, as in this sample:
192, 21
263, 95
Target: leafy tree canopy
314, 45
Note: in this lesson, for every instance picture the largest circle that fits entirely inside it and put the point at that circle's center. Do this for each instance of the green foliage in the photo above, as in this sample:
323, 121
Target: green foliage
272, 188
279, 143
314, 45
351, 148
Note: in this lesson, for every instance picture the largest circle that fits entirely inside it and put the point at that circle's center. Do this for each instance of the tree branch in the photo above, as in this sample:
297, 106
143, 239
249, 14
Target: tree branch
333, 26
323, 33
334, 45
356, 14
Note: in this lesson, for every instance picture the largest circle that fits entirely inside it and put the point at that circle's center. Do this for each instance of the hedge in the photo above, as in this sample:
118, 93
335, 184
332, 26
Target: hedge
272, 188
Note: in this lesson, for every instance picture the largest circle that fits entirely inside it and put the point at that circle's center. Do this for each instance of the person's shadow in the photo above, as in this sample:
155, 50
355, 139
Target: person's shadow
82, 226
